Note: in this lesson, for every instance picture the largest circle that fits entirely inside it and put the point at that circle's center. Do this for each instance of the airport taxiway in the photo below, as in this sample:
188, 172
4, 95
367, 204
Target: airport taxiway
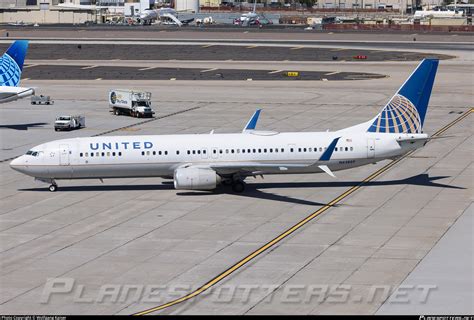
142, 232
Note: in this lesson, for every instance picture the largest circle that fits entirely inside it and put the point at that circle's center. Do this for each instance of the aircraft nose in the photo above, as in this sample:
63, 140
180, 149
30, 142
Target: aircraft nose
18, 164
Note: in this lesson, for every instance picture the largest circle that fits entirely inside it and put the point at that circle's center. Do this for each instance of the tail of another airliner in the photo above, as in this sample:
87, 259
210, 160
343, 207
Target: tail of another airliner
11, 63
406, 110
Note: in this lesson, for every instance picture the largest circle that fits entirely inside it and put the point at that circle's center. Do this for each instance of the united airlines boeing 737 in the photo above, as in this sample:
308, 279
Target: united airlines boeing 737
11, 65
203, 161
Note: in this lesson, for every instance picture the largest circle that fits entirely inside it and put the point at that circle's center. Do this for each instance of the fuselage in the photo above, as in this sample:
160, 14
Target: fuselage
161, 155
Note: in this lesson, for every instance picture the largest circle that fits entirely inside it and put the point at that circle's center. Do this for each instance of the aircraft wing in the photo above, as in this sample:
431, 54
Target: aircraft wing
187, 21
250, 168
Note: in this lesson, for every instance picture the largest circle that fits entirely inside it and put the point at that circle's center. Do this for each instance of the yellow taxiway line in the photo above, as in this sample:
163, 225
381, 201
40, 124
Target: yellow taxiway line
294, 228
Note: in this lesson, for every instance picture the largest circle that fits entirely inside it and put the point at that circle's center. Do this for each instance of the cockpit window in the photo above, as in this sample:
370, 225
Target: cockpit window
33, 153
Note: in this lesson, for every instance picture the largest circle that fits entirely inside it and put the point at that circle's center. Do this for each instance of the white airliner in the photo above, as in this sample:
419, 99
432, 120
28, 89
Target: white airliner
203, 161
11, 65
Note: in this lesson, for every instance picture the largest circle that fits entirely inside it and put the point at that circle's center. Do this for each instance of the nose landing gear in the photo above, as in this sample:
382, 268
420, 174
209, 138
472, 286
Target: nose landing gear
53, 187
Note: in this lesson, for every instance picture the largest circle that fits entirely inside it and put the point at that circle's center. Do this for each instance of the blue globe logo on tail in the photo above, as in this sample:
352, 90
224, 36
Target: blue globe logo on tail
11, 63
406, 111
399, 116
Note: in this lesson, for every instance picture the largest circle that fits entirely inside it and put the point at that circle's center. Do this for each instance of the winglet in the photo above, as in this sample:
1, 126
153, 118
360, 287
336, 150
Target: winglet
253, 121
328, 153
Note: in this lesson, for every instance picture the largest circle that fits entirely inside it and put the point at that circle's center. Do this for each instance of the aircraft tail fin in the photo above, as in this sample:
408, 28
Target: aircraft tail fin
11, 63
406, 110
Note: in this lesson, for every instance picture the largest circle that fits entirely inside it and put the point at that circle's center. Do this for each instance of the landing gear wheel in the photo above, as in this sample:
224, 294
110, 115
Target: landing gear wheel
53, 187
238, 186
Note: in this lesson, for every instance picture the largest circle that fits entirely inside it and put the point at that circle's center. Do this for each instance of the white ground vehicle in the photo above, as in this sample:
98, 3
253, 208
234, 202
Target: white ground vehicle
69, 122
41, 99
129, 102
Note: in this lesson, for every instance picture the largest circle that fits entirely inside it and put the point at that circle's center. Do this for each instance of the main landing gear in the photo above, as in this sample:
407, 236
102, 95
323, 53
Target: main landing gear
237, 183
53, 187
238, 186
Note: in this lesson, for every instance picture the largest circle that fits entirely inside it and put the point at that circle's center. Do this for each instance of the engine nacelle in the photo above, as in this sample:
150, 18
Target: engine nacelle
195, 179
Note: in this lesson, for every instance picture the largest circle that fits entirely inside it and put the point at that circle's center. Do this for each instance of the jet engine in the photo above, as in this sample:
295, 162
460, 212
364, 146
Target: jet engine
195, 179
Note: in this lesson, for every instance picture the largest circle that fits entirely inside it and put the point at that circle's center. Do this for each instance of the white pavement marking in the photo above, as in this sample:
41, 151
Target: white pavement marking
209, 70
147, 68
276, 71
332, 73
30, 66
89, 67
99, 79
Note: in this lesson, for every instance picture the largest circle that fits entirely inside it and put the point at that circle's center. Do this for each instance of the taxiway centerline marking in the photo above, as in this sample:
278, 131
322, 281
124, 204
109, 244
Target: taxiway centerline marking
276, 71
88, 67
331, 73
296, 227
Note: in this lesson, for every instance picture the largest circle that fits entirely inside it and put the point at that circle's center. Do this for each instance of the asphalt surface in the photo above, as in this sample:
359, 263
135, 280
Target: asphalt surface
251, 52
61, 72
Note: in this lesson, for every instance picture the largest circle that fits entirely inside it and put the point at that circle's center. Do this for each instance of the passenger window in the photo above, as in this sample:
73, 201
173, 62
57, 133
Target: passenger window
347, 149
81, 154
254, 150
203, 151
143, 153
177, 151
276, 149
299, 149
304, 149
271, 150
194, 151
103, 154
154, 153
309, 150
226, 150
291, 150
166, 153
159, 153
113, 154
87, 154
238, 150
243, 150
214, 151
108, 154
352, 148
259, 150
147, 153
320, 149
120, 154
232, 151
282, 150
220, 151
